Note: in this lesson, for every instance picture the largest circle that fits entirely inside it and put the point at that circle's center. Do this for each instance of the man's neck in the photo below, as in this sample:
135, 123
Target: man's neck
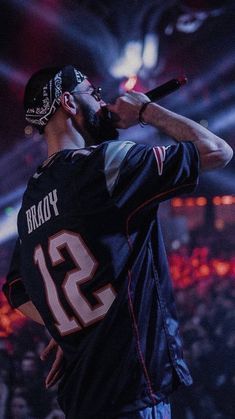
64, 141
62, 134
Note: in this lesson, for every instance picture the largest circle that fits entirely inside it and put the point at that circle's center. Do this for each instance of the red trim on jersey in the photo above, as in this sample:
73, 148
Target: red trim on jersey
15, 280
134, 322
148, 202
135, 326
9, 285
160, 155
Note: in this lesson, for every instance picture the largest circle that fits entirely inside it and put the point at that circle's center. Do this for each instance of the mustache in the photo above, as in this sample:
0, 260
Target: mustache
100, 118
100, 125
110, 117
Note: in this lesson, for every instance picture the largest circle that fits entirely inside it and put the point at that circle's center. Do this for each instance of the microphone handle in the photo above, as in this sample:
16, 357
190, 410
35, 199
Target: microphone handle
166, 88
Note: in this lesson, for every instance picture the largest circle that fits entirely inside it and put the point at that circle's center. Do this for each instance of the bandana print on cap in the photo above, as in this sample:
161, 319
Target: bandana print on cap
47, 101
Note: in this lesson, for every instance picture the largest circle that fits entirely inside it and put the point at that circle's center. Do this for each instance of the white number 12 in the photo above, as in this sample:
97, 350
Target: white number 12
86, 266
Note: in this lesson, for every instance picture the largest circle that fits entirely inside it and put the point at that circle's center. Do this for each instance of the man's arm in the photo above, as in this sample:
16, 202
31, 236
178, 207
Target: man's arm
29, 310
57, 369
18, 299
214, 152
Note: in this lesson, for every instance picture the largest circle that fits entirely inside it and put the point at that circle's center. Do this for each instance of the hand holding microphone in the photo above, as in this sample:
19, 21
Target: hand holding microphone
124, 115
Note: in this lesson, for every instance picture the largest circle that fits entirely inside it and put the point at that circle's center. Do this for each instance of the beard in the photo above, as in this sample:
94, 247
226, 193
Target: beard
99, 125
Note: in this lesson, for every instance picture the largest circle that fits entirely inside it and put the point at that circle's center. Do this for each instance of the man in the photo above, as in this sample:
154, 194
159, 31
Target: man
90, 262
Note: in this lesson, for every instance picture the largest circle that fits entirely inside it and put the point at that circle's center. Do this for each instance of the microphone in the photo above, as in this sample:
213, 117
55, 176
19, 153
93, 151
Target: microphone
166, 88
154, 95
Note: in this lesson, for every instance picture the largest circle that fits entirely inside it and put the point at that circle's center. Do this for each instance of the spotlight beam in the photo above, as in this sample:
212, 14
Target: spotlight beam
219, 182
217, 71
223, 120
9, 72
65, 27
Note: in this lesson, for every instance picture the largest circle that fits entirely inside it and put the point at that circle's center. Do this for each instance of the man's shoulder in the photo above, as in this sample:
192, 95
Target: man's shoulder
108, 153
114, 146
116, 151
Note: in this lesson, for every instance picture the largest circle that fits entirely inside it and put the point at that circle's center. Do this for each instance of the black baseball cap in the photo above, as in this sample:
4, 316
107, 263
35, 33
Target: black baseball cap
43, 92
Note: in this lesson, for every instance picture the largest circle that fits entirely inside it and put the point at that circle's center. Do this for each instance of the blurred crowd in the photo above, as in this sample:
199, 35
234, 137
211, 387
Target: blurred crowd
206, 311
203, 273
22, 375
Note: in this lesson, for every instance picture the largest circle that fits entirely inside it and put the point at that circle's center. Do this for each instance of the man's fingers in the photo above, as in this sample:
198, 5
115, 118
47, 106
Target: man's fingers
53, 377
49, 348
138, 97
111, 107
56, 370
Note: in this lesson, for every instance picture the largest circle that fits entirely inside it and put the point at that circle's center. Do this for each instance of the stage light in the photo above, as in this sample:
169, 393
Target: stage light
217, 200
130, 62
190, 23
150, 52
201, 201
177, 202
227, 200
8, 224
130, 83
189, 202
204, 270
137, 55
221, 267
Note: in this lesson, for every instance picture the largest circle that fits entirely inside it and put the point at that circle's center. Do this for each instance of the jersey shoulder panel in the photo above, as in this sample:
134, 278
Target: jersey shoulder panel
82, 152
115, 154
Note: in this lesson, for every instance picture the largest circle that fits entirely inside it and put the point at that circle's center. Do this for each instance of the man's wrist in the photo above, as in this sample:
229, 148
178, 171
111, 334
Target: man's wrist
146, 113
141, 112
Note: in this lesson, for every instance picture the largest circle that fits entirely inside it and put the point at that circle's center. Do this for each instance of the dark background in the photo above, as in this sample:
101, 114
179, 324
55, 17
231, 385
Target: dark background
111, 41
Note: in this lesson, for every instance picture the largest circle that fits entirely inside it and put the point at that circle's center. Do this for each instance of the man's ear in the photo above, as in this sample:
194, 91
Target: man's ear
68, 103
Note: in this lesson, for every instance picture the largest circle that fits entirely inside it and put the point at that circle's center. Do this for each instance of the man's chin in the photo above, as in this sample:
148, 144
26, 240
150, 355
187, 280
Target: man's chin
104, 130
100, 126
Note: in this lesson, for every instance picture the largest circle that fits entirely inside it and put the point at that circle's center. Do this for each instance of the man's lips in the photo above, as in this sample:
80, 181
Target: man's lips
108, 116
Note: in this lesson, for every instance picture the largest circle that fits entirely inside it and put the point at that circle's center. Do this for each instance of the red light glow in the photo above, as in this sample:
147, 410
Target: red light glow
190, 202
227, 200
130, 83
177, 202
9, 319
201, 201
187, 270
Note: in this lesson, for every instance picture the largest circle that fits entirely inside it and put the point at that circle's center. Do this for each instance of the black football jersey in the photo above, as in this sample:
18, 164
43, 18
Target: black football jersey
90, 256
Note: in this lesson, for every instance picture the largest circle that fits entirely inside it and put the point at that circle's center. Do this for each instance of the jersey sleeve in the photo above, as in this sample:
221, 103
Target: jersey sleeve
13, 288
138, 174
